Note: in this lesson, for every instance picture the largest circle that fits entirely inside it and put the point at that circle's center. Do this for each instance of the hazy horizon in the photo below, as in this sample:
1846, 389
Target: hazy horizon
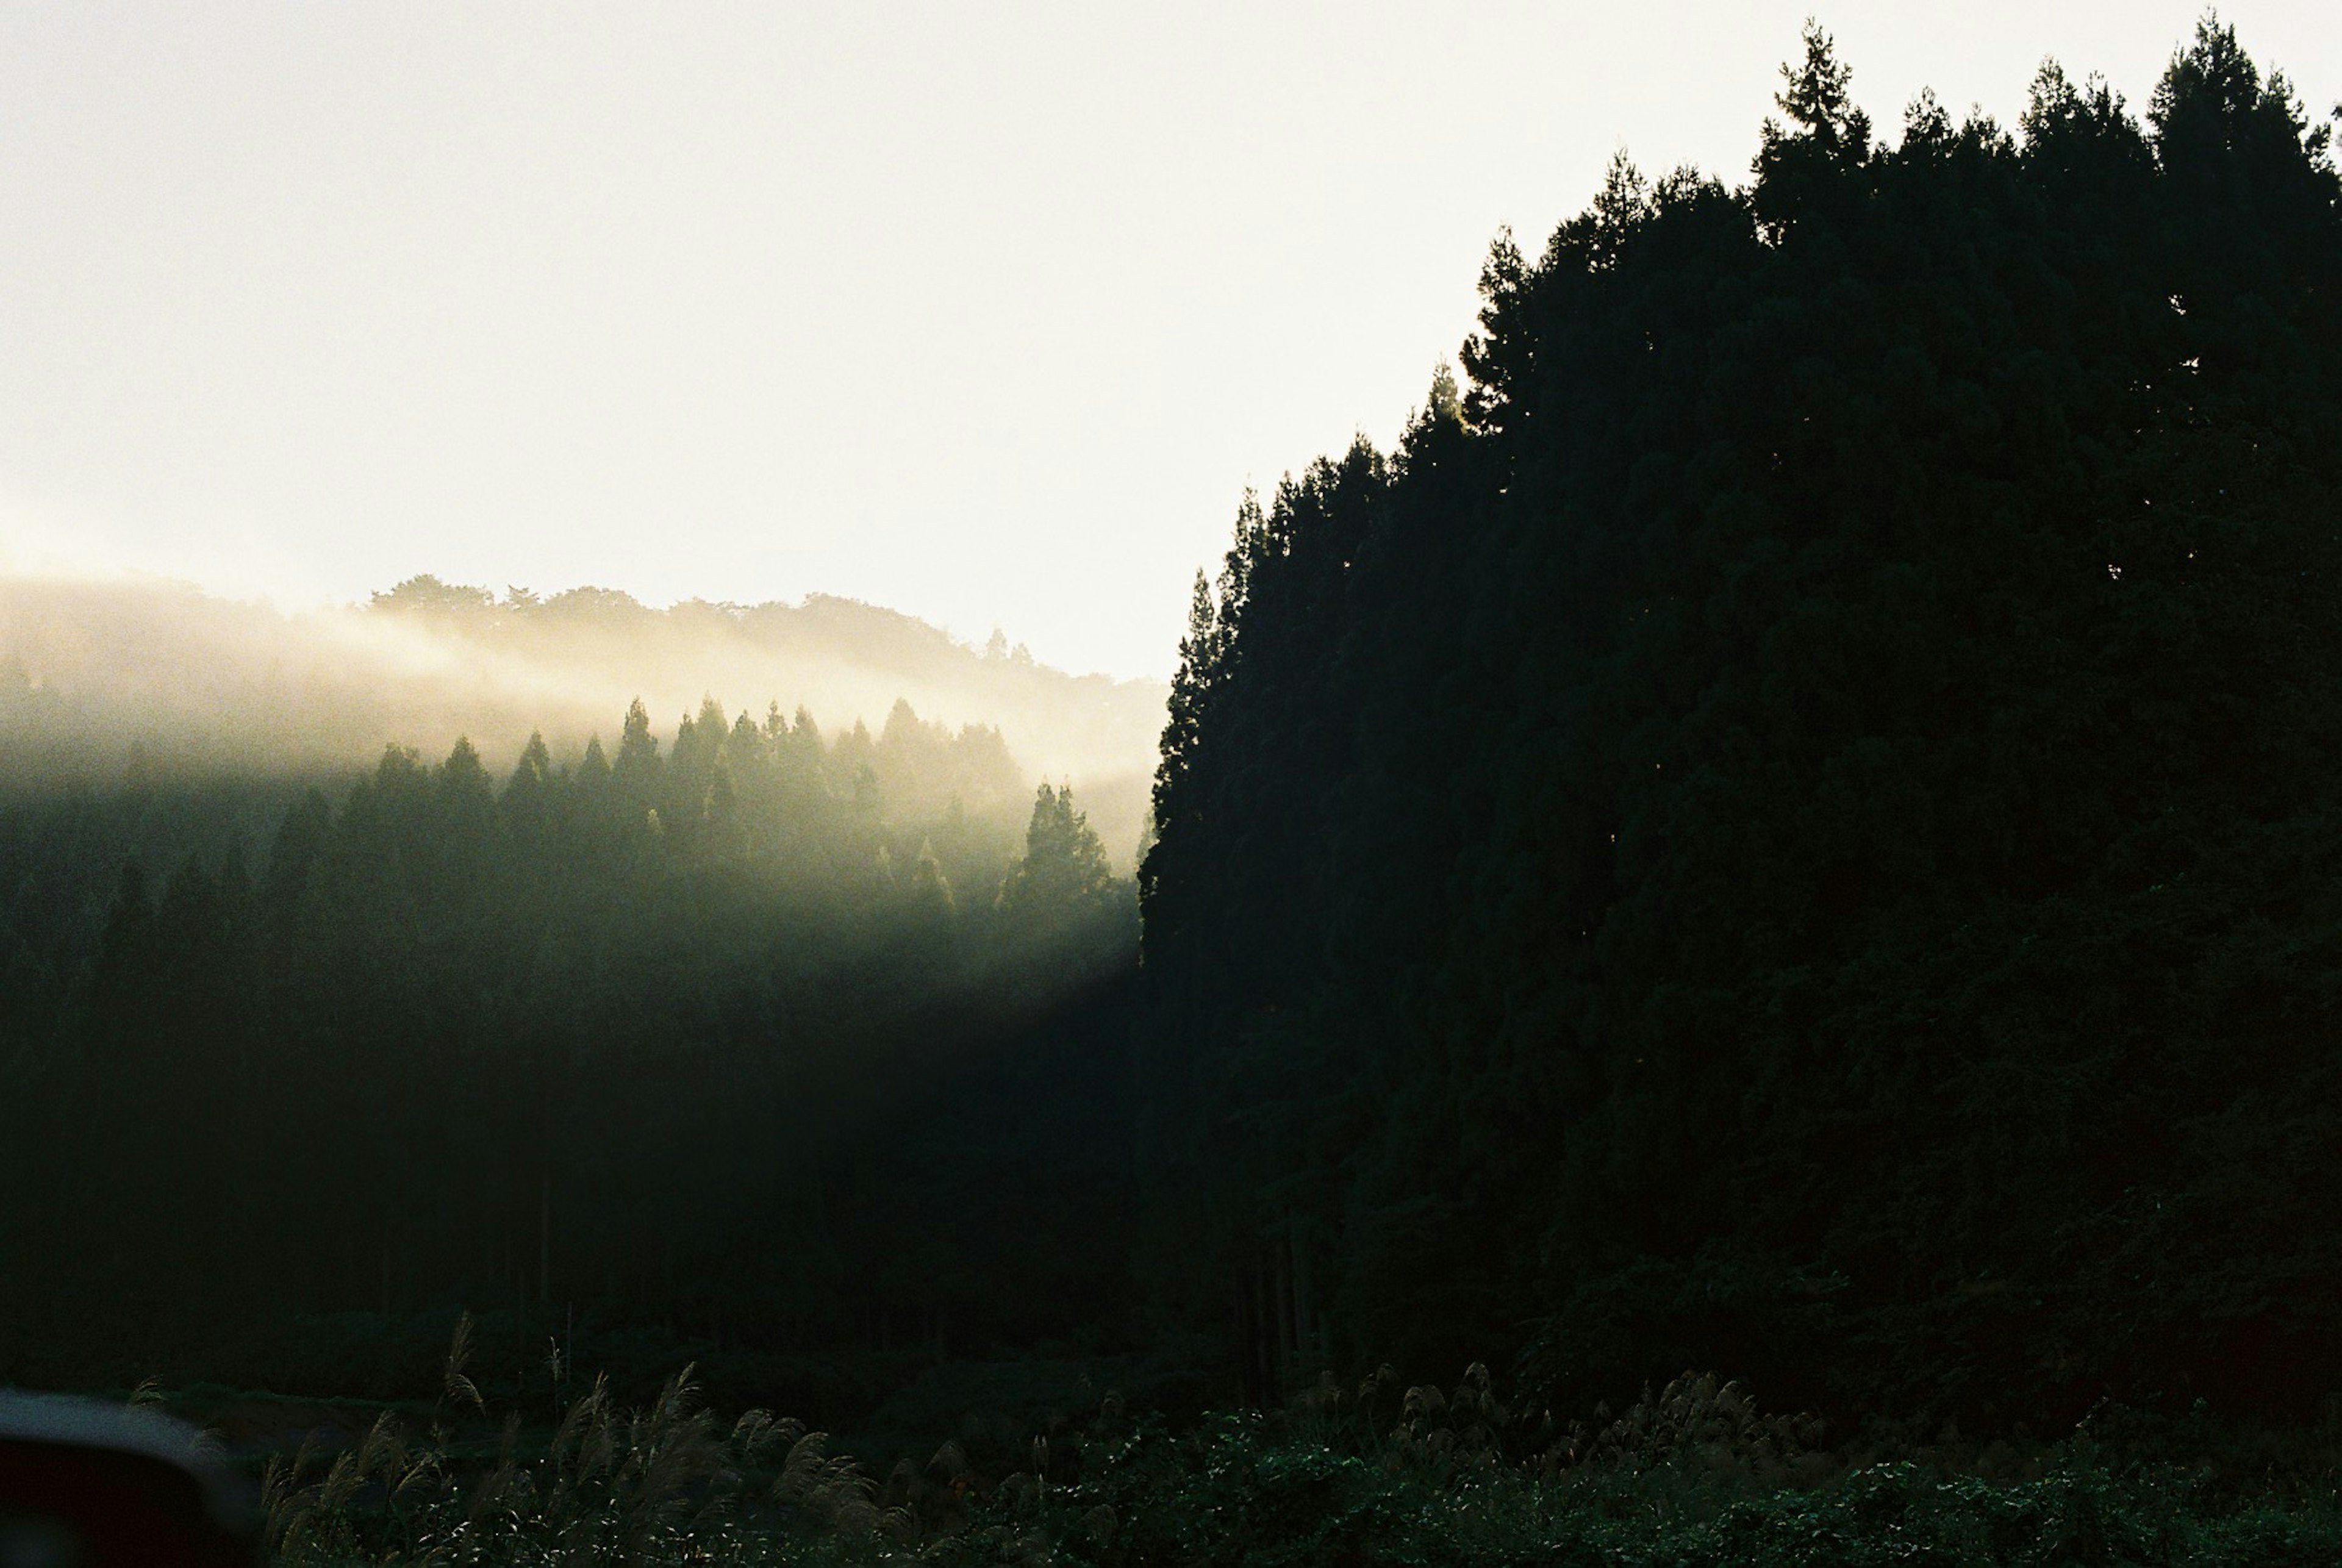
102, 679
985, 317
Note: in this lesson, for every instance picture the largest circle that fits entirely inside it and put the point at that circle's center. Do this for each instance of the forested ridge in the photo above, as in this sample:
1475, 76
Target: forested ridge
708, 1039
1790, 826
102, 677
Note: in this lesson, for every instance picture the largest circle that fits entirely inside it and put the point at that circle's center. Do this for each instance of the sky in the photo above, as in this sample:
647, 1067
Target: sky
987, 312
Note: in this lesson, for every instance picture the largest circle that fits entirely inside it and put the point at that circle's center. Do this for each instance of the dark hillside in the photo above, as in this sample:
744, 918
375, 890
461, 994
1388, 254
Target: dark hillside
794, 1052
1792, 825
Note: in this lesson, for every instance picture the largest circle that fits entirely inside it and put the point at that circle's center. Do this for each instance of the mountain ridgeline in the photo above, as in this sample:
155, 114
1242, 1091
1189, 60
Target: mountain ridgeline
1792, 825
101, 678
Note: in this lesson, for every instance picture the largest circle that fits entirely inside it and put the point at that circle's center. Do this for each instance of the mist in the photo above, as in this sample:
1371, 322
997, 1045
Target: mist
104, 681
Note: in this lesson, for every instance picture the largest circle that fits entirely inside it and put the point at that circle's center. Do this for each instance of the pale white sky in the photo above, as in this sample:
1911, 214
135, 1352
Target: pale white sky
985, 312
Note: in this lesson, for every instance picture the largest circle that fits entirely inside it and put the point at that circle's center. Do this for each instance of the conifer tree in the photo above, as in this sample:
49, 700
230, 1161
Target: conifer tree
1064, 867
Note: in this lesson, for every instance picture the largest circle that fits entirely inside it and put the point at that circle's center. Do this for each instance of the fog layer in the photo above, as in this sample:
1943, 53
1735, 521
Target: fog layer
103, 680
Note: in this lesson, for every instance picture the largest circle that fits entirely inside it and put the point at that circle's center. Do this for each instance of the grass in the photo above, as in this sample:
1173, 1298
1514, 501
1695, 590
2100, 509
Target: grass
1695, 1476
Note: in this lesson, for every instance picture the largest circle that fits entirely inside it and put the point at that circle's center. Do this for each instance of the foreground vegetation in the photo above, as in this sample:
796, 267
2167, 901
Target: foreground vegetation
1693, 1476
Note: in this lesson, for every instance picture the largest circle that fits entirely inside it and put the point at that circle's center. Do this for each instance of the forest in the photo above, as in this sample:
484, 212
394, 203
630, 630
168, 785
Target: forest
550, 1042
1789, 826
1781, 844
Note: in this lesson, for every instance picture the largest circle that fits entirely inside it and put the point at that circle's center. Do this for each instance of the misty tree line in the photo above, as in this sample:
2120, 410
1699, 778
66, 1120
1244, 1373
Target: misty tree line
598, 1033
1792, 825
425, 595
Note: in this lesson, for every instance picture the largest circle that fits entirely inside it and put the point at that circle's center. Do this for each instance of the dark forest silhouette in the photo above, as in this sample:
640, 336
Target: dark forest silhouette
1792, 825
706, 1038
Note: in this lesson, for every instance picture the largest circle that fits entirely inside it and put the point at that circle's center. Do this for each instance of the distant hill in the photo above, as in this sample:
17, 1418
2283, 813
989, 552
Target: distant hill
96, 678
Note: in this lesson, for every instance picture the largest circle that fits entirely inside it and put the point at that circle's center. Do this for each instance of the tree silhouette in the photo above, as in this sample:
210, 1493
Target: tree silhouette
1064, 871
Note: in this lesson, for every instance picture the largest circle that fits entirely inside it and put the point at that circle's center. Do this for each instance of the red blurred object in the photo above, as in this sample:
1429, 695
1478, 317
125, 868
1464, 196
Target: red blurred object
86, 1484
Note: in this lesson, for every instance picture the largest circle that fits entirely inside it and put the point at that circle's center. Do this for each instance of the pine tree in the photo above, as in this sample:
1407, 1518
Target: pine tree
1064, 871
